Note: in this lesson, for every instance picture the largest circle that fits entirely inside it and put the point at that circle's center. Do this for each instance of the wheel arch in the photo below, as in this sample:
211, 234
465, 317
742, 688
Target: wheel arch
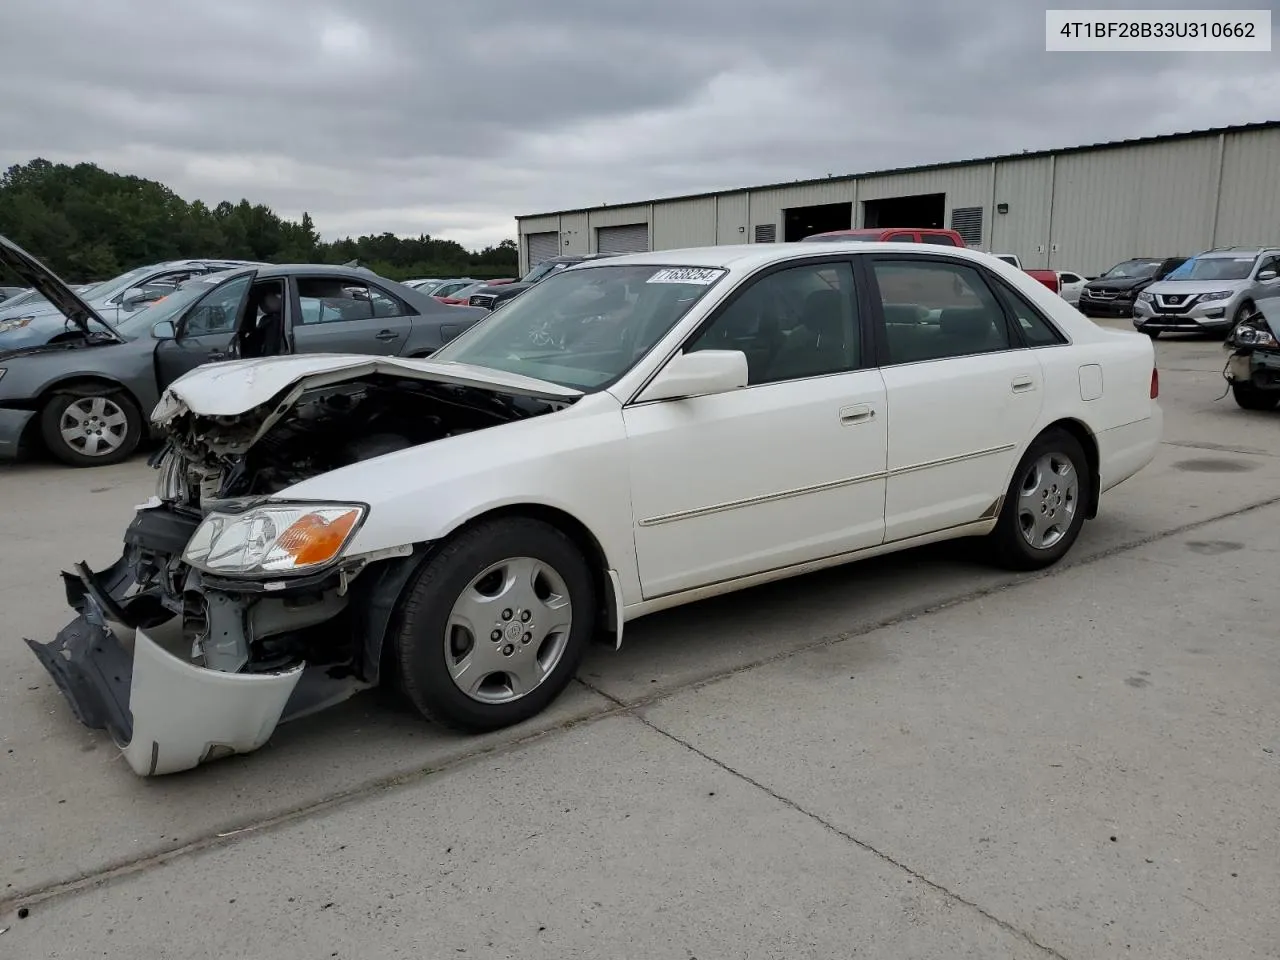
1089, 443
76, 381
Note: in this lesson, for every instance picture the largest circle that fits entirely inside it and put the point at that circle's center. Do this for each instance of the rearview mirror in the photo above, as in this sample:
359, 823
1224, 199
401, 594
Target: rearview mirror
697, 374
1267, 274
165, 330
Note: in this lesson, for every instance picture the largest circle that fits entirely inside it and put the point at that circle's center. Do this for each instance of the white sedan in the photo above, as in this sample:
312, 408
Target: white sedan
630, 435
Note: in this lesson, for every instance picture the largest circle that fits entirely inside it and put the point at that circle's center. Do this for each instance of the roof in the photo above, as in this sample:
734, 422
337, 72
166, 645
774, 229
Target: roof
944, 165
749, 256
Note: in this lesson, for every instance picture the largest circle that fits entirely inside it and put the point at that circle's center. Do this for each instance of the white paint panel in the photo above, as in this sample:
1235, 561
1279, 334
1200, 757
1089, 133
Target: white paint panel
684, 223
1249, 207
575, 233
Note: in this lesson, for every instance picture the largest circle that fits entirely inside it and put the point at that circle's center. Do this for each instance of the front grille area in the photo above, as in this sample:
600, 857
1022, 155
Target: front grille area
483, 300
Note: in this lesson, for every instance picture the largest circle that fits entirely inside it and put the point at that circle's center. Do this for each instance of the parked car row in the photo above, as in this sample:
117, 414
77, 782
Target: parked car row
81, 389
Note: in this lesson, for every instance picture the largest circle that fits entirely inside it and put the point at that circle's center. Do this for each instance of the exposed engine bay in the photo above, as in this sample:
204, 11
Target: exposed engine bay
308, 640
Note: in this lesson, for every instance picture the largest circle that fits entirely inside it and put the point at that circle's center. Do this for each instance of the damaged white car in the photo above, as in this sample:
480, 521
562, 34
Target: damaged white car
630, 435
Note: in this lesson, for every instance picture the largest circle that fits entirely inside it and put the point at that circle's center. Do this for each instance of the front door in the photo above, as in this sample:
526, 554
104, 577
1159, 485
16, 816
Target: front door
205, 331
349, 315
786, 470
963, 395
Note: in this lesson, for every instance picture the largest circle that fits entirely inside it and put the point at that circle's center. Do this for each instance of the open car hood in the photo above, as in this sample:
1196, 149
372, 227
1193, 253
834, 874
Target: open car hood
234, 387
51, 287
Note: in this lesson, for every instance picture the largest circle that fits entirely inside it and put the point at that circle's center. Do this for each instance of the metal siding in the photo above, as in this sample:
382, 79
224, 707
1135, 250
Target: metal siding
527, 227
962, 187
1249, 204
1095, 210
540, 224
731, 218
539, 247
685, 223
1176, 193
1024, 186
767, 205
626, 238
618, 216
575, 237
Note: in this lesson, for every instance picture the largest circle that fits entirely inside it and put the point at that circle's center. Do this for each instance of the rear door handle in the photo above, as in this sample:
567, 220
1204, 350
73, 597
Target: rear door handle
1023, 384
387, 335
857, 413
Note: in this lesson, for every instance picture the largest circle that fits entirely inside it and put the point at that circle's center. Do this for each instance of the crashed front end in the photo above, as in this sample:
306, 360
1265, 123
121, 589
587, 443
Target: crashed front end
232, 608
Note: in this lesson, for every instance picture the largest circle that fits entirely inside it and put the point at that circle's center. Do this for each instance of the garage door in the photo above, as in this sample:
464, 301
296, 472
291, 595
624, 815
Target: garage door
632, 238
542, 246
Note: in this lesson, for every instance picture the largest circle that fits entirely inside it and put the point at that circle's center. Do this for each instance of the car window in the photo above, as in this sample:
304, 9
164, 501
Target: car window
939, 238
1036, 330
1271, 263
902, 237
216, 312
583, 328
793, 323
1071, 278
933, 310
1215, 268
338, 299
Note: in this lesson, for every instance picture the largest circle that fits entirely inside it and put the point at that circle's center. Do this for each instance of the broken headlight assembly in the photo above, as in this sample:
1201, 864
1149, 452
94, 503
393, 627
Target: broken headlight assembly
274, 538
1254, 332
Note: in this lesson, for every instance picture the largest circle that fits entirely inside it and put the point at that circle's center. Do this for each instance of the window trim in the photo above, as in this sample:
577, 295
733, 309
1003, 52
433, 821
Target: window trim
1007, 297
251, 276
295, 294
866, 355
1012, 329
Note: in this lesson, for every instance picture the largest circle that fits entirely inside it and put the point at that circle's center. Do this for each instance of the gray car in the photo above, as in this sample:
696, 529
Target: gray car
84, 397
1211, 292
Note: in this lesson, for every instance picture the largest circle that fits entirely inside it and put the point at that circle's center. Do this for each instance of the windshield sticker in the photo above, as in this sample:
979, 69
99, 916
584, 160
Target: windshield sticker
702, 276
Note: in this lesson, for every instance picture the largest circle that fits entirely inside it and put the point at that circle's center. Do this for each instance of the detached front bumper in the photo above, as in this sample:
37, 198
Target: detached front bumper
165, 713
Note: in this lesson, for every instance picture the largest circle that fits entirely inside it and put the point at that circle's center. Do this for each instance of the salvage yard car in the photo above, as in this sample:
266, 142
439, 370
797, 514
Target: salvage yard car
629, 435
1210, 293
84, 395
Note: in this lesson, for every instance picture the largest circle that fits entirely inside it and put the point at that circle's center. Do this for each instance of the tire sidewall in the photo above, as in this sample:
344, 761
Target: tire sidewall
420, 638
1012, 546
51, 415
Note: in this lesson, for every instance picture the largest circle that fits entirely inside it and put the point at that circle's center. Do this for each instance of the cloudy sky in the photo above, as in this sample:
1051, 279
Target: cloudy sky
451, 119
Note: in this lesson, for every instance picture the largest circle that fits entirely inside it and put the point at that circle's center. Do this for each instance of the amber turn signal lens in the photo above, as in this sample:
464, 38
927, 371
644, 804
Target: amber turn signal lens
312, 539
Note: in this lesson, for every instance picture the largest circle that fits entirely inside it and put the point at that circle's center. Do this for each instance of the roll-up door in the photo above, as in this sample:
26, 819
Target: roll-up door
542, 246
631, 238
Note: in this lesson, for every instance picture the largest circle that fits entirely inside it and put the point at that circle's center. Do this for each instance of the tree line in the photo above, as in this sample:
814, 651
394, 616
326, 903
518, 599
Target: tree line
90, 224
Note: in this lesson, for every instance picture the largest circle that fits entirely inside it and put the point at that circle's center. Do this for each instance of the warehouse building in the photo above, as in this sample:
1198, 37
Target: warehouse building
1079, 208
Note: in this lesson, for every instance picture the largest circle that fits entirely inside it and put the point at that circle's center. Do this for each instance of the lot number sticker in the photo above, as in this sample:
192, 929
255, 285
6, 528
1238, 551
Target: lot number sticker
702, 276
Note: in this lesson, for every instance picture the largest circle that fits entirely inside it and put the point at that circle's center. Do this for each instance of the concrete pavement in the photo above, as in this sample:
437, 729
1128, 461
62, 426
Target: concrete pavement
956, 797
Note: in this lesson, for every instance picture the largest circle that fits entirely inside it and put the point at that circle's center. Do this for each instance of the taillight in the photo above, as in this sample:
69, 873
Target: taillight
1155, 383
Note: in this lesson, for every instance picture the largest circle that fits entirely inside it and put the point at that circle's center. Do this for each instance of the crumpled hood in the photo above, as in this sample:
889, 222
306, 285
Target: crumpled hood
238, 386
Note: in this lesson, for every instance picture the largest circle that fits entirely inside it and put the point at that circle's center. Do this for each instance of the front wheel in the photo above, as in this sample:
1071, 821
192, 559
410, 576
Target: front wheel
1249, 397
92, 427
1044, 508
495, 624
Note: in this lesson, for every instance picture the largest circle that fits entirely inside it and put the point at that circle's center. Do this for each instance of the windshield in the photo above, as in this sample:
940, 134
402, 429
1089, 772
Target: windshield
167, 308
1132, 270
109, 288
469, 289
541, 270
583, 328
1214, 268
20, 299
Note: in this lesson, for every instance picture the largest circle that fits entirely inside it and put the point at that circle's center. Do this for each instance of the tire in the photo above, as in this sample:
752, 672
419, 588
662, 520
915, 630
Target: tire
1251, 398
112, 437
429, 651
1012, 548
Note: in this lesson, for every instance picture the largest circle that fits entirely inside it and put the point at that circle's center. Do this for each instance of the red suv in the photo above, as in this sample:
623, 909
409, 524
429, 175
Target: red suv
946, 238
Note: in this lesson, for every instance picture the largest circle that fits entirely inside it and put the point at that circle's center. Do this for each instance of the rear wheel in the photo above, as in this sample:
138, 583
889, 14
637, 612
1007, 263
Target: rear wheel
495, 625
91, 427
1250, 397
1044, 508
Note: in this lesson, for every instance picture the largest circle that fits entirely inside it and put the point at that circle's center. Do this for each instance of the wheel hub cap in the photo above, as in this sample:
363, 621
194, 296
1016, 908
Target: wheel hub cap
1048, 500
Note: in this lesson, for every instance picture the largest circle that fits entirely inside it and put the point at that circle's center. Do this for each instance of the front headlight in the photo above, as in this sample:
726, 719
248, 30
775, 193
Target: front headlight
1145, 297
16, 323
1254, 334
275, 538
1218, 295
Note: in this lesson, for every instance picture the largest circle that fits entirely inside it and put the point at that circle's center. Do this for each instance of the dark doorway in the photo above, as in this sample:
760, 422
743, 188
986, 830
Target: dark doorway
801, 222
925, 210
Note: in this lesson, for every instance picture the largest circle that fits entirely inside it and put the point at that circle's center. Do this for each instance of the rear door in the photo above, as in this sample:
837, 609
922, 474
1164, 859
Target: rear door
205, 331
336, 314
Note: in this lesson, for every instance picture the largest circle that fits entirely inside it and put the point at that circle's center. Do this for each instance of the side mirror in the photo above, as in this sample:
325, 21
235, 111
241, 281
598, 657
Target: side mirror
698, 374
165, 330
1268, 274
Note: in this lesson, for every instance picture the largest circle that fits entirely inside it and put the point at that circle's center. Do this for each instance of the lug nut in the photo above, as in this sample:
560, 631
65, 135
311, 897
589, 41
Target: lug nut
508, 650
495, 636
526, 638
506, 614
525, 616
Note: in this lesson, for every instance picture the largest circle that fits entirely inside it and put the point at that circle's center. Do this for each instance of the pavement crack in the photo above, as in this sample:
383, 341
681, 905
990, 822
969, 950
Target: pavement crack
847, 836
1219, 447
231, 833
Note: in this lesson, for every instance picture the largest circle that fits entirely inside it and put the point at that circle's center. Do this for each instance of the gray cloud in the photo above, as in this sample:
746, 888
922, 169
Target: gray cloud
451, 119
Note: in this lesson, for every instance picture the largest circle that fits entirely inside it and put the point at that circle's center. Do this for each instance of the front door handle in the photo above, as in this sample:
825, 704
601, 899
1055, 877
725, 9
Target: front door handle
1023, 384
387, 335
857, 413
